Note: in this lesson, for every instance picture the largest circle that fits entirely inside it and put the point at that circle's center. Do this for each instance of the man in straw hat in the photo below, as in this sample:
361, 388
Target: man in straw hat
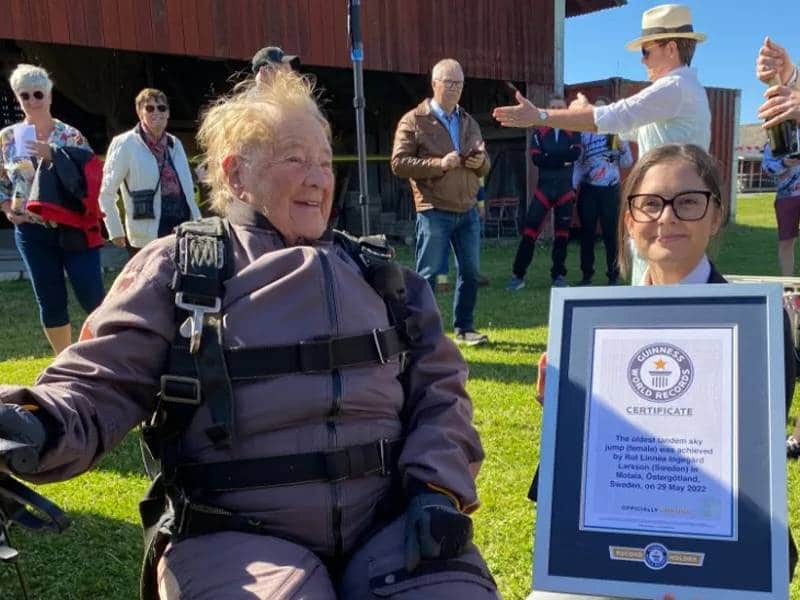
674, 109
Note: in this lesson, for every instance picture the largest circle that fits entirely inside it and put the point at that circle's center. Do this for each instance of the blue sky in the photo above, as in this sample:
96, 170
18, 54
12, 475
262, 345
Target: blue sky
595, 43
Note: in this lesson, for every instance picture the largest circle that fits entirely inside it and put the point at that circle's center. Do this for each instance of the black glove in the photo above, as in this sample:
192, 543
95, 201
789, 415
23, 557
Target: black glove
20, 425
435, 529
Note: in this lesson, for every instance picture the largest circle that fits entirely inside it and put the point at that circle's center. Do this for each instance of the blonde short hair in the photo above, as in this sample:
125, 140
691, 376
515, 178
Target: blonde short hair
28, 76
249, 118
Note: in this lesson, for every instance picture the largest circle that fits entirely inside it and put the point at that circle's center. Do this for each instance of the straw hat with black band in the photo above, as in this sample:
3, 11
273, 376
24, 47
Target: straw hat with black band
667, 21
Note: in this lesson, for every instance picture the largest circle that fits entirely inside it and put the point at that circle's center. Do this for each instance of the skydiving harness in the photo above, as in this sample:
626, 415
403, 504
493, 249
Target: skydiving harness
200, 371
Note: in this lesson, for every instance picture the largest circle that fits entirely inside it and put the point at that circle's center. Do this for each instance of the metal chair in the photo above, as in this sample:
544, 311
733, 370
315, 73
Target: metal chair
501, 215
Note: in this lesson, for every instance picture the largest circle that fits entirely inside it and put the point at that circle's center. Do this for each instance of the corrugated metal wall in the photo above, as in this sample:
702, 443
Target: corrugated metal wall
722, 102
493, 39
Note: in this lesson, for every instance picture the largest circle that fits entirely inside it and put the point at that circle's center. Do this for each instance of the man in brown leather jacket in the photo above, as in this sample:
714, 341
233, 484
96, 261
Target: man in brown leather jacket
439, 148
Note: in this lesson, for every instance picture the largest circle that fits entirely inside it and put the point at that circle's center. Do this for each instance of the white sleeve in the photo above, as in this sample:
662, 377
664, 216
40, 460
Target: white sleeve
657, 102
115, 170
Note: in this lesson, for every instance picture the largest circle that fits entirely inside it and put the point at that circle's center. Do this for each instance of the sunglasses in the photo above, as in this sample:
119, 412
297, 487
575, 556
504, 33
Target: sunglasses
646, 51
151, 107
25, 96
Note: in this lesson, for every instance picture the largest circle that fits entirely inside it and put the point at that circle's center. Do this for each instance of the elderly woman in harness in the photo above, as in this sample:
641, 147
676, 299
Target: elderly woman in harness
307, 410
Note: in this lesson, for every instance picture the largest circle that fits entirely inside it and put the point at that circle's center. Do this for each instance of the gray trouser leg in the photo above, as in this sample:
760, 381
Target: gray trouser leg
377, 571
241, 566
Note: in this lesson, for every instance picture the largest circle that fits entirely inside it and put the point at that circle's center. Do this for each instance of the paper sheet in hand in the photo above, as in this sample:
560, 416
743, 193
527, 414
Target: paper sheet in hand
24, 134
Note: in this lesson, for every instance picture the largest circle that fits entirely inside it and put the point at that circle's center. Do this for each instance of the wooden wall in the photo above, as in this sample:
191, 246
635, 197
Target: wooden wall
493, 39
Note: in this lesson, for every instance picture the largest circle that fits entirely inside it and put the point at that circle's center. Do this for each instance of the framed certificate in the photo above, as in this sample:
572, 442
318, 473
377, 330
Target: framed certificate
663, 465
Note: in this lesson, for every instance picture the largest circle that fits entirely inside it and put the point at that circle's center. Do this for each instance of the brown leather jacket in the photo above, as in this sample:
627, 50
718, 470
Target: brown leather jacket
419, 143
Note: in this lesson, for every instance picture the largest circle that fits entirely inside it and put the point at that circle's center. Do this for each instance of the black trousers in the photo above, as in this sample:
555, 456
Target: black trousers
556, 194
599, 203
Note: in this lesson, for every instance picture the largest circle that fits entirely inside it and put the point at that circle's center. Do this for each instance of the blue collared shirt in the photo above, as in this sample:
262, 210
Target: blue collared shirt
451, 122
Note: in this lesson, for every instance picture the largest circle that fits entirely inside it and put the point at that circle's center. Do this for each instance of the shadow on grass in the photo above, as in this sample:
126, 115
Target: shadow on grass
503, 372
527, 347
96, 558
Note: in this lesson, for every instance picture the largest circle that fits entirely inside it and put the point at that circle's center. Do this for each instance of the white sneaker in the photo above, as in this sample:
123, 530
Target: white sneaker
471, 338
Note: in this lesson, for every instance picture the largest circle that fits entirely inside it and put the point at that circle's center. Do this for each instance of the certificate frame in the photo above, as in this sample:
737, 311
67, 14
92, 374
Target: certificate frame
754, 564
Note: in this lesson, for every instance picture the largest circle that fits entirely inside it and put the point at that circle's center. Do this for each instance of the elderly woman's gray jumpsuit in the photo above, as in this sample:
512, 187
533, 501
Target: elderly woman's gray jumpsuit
321, 540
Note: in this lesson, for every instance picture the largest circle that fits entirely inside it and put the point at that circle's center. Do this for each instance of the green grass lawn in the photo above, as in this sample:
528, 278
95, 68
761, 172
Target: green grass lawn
99, 556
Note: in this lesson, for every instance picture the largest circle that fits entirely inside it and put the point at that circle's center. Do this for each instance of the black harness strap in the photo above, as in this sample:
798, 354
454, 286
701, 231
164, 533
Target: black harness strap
201, 260
352, 462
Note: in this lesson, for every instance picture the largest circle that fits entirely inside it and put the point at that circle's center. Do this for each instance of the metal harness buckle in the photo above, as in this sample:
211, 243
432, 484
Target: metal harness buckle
193, 399
377, 341
196, 320
385, 469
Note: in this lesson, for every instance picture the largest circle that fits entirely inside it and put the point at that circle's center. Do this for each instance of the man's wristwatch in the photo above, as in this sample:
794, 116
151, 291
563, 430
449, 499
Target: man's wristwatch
543, 114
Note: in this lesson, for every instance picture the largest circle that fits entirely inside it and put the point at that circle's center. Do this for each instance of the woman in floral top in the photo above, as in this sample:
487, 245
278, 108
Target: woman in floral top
39, 242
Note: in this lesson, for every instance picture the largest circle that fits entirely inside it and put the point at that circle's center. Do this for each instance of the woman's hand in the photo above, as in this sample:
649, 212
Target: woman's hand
15, 217
40, 149
119, 242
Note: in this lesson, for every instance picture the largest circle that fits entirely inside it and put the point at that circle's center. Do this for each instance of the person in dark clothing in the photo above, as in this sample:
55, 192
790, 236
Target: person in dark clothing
553, 151
597, 178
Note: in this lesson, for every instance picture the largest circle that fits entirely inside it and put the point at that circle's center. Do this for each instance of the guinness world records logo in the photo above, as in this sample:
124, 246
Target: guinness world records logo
660, 372
656, 556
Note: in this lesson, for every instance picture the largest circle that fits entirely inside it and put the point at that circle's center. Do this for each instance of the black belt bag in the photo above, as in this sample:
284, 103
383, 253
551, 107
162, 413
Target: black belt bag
142, 200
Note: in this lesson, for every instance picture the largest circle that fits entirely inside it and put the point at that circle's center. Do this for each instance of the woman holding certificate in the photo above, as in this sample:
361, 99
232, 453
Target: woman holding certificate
671, 208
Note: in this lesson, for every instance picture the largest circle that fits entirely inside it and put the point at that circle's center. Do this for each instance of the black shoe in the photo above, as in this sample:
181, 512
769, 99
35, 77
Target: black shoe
584, 282
613, 281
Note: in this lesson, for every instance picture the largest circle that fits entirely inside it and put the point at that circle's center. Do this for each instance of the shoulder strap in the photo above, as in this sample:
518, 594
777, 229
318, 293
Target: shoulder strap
375, 258
196, 372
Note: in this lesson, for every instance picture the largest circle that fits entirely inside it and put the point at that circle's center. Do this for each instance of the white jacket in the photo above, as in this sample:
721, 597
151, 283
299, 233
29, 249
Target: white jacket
130, 159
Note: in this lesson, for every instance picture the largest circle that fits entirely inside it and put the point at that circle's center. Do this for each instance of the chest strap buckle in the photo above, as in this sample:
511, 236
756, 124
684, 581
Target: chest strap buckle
196, 320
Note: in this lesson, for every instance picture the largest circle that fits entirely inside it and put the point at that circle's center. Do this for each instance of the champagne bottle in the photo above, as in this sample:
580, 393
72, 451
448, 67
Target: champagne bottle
783, 137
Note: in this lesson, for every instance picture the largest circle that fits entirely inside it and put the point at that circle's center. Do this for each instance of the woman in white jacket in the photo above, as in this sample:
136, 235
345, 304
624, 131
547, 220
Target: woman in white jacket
151, 167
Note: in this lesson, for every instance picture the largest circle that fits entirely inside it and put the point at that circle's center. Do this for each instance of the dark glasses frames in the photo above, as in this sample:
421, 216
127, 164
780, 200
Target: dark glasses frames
25, 96
646, 51
691, 205
151, 107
